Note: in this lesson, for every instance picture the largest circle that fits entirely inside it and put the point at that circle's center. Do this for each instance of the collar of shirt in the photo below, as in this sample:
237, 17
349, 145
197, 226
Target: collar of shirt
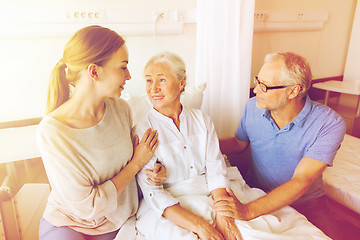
301, 117
183, 124
165, 118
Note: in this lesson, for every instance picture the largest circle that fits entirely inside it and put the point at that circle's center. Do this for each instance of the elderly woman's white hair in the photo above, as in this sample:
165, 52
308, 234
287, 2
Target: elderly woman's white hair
175, 62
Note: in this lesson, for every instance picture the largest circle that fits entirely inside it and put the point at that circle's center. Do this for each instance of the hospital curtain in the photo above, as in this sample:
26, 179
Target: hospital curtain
223, 59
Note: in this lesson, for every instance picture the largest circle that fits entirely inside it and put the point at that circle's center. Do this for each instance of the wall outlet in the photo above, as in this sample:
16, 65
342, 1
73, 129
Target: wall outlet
261, 16
86, 15
166, 15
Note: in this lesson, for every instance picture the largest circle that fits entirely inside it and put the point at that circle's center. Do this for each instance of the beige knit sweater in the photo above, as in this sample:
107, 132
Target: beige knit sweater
80, 163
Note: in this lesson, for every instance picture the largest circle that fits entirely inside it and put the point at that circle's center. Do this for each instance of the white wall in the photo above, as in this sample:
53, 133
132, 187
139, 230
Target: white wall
352, 71
26, 61
25, 64
325, 50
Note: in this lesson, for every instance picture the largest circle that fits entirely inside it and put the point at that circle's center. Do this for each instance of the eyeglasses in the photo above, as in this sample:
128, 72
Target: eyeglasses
265, 88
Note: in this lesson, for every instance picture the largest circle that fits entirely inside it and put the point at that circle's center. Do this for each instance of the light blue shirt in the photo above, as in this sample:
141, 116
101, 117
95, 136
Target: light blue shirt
316, 133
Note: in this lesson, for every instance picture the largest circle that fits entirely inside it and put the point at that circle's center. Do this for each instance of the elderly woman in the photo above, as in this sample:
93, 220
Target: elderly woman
188, 148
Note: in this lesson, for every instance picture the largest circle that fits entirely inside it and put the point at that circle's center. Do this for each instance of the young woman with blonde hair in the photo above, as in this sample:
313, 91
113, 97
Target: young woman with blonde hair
86, 142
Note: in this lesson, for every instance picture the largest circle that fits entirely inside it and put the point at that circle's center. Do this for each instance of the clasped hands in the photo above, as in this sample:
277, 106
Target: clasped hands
230, 206
227, 208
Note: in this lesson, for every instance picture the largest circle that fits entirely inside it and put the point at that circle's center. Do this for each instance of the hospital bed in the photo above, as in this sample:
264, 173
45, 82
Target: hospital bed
342, 181
20, 213
21, 205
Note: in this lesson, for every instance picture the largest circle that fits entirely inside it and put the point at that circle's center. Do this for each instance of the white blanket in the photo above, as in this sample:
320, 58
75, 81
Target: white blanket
194, 196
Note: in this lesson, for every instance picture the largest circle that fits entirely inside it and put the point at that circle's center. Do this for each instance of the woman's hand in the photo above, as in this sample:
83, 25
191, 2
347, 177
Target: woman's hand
144, 150
156, 176
227, 227
206, 231
230, 206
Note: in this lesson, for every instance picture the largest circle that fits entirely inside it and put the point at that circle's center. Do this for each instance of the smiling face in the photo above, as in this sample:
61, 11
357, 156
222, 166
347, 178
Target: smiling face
114, 73
163, 88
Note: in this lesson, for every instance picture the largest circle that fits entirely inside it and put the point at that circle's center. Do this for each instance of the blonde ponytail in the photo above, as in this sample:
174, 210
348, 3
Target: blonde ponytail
91, 44
59, 90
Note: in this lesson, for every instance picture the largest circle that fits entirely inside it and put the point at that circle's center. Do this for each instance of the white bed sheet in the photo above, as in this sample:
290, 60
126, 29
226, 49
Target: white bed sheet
342, 181
285, 223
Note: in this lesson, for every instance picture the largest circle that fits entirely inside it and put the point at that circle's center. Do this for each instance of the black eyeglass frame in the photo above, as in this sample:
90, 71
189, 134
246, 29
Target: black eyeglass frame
266, 88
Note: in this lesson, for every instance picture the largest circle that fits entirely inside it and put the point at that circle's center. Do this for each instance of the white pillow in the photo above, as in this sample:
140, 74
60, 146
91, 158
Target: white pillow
140, 105
193, 96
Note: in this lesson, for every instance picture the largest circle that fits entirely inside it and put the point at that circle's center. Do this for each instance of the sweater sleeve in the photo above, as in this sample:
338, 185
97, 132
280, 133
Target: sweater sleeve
72, 188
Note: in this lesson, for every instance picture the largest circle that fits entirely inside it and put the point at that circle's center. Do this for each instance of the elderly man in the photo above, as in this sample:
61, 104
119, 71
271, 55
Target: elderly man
292, 140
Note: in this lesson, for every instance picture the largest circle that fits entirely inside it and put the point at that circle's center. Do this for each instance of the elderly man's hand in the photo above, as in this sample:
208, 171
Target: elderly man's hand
156, 176
230, 206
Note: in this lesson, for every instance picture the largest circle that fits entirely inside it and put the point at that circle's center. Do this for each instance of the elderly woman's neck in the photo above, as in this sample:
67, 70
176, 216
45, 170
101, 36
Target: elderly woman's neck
173, 113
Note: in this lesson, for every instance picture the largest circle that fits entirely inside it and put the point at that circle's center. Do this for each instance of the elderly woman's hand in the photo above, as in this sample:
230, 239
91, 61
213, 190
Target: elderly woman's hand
227, 227
205, 231
156, 176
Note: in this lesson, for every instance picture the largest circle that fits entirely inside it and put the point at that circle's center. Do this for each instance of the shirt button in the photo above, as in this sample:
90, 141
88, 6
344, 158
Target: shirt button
191, 167
184, 147
150, 194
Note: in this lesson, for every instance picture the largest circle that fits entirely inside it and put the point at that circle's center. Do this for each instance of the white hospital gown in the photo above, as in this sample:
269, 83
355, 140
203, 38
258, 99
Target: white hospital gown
191, 151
